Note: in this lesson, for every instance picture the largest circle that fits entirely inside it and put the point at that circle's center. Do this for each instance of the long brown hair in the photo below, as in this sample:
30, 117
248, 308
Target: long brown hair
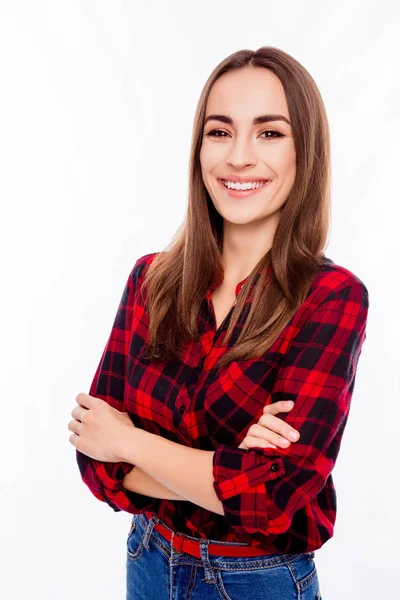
177, 279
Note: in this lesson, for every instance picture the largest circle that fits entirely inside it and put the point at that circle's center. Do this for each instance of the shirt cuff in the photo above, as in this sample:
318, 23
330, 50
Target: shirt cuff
236, 470
118, 497
105, 481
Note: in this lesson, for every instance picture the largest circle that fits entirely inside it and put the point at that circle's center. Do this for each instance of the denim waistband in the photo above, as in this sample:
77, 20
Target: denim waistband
148, 523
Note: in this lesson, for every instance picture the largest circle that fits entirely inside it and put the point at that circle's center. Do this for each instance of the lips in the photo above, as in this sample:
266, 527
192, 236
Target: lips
233, 193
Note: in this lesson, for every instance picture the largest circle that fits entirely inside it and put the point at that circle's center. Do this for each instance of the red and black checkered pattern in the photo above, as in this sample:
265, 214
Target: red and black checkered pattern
283, 499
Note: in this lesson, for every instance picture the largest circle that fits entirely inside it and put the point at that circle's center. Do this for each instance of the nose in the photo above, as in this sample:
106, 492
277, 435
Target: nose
241, 154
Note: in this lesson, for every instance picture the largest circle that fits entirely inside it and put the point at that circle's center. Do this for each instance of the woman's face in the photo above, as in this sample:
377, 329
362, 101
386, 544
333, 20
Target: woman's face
246, 150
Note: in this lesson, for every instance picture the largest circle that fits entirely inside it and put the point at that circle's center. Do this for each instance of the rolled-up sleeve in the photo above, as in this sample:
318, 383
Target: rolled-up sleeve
105, 479
262, 488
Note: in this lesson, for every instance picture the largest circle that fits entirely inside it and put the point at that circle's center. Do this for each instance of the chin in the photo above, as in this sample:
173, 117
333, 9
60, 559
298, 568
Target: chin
240, 219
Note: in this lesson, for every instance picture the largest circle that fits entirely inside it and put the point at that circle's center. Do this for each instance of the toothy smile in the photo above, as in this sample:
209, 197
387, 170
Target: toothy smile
249, 185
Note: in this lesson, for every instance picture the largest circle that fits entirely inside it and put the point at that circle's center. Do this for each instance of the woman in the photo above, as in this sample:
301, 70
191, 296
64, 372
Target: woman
242, 312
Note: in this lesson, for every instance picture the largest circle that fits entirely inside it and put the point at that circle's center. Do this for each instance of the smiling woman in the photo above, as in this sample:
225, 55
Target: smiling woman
243, 310
246, 151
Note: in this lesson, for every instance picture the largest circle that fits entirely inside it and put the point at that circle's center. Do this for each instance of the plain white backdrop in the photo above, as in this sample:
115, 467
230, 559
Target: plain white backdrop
96, 110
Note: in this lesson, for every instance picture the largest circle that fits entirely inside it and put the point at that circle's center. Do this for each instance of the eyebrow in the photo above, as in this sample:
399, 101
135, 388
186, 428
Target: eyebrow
256, 120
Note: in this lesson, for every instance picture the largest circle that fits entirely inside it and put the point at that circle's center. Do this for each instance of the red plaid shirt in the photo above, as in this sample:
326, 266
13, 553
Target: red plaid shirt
283, 499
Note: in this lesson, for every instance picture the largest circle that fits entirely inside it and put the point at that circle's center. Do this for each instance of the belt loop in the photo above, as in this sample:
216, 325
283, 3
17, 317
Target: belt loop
149, 530
172, 545
208, 570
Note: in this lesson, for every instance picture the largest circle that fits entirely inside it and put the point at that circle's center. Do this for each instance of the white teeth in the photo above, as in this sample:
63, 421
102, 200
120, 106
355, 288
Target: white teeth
243, 186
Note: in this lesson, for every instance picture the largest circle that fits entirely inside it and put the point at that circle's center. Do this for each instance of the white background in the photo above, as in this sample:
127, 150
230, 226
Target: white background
96, 110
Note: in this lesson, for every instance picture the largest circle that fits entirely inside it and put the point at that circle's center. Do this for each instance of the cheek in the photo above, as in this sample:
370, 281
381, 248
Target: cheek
291, 172
291, 161
211, 156
205, 165
285, 167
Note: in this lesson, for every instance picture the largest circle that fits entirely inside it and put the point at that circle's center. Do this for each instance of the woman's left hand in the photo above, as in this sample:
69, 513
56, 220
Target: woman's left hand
99, 429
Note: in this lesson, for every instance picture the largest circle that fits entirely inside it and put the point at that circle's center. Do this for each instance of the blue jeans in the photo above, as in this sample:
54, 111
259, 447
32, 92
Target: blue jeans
156, 571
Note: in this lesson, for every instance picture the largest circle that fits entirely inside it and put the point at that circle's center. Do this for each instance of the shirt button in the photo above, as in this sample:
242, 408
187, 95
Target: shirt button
182, 409
275, 467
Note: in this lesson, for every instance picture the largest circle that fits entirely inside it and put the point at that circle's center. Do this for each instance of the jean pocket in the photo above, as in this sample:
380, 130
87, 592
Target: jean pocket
257, 580
305, 574
135, 540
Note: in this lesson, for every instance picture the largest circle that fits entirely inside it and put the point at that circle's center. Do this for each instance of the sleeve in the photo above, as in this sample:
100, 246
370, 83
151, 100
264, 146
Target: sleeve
260, 489
102, 478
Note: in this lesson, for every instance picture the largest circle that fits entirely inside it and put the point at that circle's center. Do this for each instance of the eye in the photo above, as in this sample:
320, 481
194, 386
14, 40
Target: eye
276, 134
214, 131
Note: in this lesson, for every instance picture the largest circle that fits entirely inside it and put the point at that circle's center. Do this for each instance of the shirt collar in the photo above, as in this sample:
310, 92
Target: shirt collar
217, 282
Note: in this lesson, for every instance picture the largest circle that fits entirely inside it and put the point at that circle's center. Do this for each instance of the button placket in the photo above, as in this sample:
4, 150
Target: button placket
186, 397
181, 406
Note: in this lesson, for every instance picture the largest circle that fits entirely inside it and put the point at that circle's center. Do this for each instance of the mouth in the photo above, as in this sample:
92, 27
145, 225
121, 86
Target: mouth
237, 192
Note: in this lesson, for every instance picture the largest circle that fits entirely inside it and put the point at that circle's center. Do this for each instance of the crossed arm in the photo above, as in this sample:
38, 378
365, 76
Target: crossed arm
142, 483
318, 373
188, 471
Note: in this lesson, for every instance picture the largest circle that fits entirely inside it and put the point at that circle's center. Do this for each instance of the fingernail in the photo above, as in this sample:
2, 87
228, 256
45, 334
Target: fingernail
289, 403
293, 435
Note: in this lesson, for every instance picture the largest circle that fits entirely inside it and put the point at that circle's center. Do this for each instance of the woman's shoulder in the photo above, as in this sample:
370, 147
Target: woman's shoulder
336, 276
141, 263
333, 278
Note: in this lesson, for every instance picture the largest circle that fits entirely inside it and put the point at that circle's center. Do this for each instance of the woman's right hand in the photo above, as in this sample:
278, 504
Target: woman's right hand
270, 431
